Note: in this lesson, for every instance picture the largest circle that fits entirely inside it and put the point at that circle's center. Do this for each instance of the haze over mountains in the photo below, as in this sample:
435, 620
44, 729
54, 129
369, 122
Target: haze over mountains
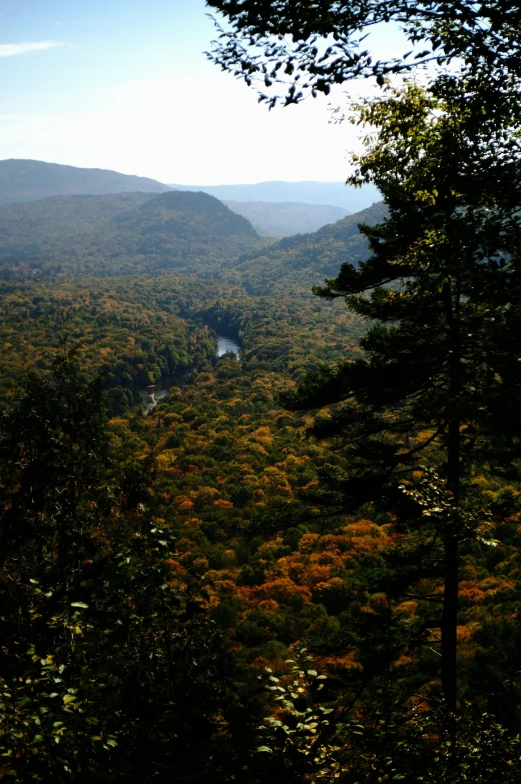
276, 209
336, 194
283, 219
156, 228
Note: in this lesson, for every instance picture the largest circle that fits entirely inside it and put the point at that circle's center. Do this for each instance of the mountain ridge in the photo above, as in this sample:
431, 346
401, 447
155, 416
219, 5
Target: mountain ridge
131, 232
335, 194
25, 180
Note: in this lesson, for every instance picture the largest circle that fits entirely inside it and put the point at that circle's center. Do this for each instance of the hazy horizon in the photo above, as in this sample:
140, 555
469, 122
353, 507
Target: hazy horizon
129, 88
191, 185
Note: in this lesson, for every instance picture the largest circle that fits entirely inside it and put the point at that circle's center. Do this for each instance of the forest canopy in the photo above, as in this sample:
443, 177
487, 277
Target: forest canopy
302, 563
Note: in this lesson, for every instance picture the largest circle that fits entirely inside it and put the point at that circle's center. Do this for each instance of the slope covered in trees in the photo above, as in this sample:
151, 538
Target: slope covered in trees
137, 233
120, 233
286, 218
304, 260
130, 330
28, 180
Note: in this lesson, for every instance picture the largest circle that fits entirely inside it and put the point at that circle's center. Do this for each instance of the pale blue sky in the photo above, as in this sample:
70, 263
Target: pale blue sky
124, 84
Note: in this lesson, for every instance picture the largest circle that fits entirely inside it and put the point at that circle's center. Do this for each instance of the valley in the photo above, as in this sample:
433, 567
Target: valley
203, 485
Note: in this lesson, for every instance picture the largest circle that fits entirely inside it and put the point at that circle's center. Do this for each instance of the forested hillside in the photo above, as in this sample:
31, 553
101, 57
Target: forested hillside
305, 259
209, 534
283, 219
27, 180
127, 233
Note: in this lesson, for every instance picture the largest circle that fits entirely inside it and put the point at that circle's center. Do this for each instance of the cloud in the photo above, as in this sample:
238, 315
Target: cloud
11, 50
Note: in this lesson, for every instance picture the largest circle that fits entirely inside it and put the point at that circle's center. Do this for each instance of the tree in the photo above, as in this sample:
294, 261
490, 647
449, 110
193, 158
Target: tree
441, 375
52, 447
311, 46
109, 665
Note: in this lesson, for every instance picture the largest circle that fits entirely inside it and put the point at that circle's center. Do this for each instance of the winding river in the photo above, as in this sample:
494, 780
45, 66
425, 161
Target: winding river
156, 392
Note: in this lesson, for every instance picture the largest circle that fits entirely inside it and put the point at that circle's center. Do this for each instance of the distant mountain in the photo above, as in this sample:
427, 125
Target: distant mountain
306, 259
184, 225
282, 219
337, 194
28, 180
139, 232
121, 233
168, 212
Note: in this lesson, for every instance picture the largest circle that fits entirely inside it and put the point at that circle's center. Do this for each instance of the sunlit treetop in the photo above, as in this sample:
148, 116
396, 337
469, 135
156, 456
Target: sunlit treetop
306, 47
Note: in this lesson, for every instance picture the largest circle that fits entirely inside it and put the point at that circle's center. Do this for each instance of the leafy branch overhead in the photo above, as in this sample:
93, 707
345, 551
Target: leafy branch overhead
307, 47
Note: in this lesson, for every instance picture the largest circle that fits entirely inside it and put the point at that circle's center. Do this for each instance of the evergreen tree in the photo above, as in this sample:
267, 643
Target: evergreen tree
442, 288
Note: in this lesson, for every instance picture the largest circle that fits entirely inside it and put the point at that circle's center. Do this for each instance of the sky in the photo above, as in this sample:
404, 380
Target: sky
125, 85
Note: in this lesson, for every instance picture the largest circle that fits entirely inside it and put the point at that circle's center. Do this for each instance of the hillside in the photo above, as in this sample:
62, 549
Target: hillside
215, 535
120, 233
283, 219
306, 259
28, 180
170, 211
178, 227
137, 232
307, 192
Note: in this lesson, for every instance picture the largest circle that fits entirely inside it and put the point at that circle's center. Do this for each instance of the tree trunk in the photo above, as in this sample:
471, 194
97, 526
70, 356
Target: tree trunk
449, 621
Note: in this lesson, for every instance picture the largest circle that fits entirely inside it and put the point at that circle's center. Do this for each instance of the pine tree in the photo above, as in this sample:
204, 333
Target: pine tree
441, 373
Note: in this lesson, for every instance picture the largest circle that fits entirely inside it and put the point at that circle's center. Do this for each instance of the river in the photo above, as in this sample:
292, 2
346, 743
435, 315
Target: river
227, 345
156, 392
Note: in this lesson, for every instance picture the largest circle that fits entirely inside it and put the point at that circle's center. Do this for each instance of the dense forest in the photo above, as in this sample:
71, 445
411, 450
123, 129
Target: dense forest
130, 232
302, 564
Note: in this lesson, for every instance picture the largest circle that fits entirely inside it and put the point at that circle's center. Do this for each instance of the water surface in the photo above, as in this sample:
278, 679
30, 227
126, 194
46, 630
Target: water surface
225, 345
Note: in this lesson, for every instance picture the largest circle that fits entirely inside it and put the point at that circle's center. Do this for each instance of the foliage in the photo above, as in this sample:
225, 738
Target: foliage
201, 543
125, 233
305, 740
310, 47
